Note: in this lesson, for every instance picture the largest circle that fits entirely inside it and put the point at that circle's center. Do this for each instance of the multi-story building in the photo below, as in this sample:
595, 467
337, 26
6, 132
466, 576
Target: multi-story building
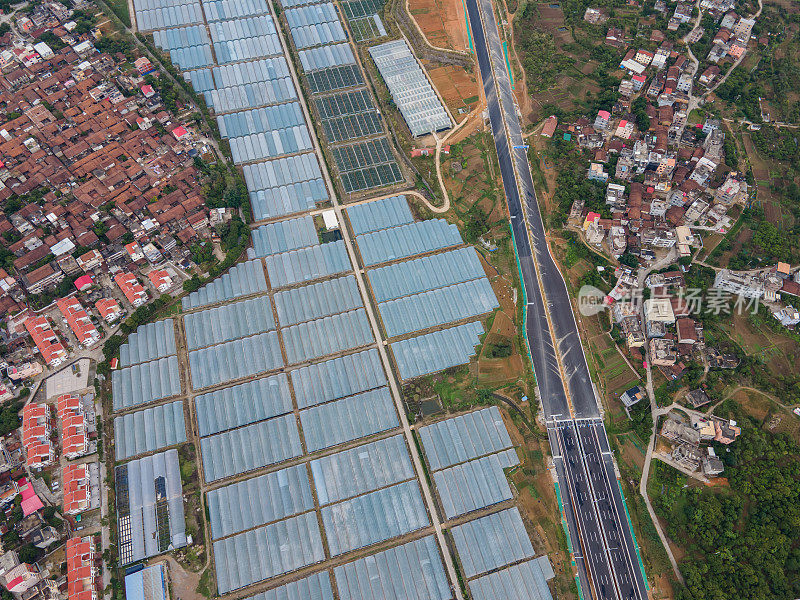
79, 321
74, 435
109, 309
160, 280
77, 489
80, 569
46, 340
21, 578
131, 288
742, 284
24, 371
36, 429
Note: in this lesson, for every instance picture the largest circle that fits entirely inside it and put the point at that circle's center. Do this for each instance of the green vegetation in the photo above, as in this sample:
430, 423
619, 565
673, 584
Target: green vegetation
540, 58
498, 350
207, 584
120, 8
9, 417
571, 182
740, 542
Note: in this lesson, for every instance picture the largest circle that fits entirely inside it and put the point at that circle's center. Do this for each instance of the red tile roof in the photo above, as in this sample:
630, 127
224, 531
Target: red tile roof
78, 320
132, 289
46, 340
108, 308
75, 441
80, 570
36, 435
76, 488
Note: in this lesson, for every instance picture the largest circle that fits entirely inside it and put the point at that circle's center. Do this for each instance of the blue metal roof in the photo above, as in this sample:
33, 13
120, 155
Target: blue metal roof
148, 583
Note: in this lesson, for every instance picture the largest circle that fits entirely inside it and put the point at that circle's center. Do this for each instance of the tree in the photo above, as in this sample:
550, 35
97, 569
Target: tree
629, 260
30, 553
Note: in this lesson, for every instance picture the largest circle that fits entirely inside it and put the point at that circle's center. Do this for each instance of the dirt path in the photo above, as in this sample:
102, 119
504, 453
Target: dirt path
747, 388
184, 583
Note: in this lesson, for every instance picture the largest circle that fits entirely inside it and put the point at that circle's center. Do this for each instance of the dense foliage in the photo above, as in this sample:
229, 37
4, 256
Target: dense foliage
9, 417
741, 542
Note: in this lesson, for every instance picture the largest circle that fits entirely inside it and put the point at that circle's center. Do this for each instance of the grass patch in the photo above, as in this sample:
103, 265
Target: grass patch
207, 585
120, 8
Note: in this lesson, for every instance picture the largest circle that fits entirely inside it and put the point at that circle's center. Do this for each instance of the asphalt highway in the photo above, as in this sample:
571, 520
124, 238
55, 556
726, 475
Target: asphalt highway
602, 542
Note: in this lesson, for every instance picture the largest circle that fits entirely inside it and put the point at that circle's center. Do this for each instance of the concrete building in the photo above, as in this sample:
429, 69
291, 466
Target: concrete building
742, 284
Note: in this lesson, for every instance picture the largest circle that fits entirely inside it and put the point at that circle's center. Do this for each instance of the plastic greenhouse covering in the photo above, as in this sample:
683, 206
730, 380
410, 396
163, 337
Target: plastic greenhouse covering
234, 360
426, 273
361, 469
465, 437
307, 264
476, 484
228, 322
140, 528
268, 551
437, 307
327, 335
348, 419
148, 342
407, 240
248, 448
317, 300
412, 571
374, 517
149, 430
436, 351
243, 279
242, 404
337, 378
380, 214
492, 541
145, 382
254, 502
524, 581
